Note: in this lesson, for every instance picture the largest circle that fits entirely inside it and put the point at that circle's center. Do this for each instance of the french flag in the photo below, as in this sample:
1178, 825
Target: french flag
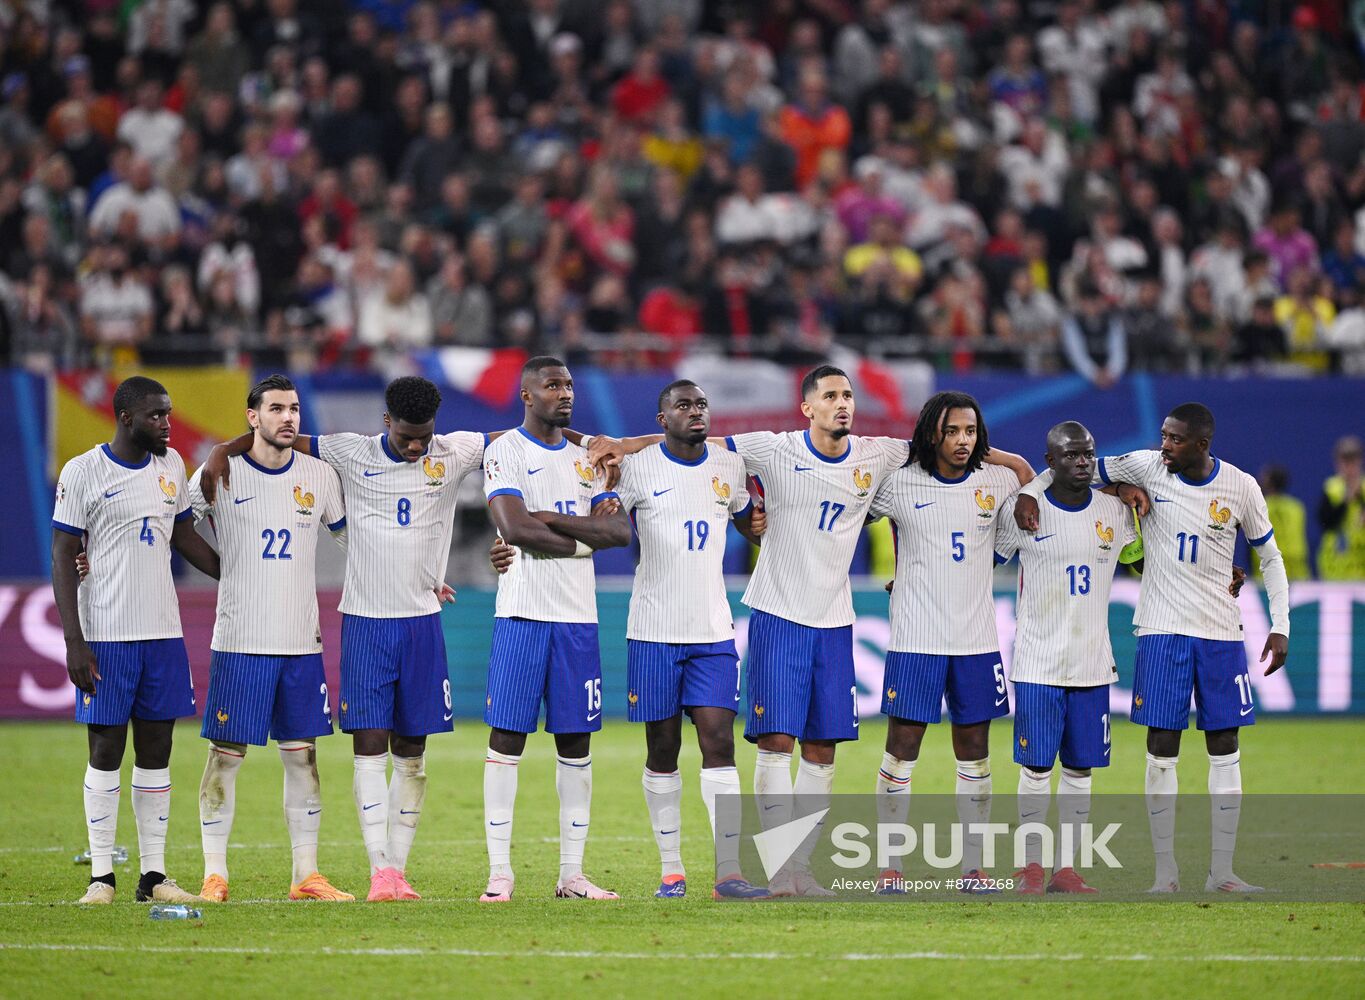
492, 375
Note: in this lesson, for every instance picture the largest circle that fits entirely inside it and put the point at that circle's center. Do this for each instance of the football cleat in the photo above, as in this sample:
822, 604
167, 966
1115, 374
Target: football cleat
735, 887
215, 889
166, 891
401, 889
381, 887
97, 893
1164, 886
499, 889
1069, 880
672, 887
975, 883
1230, 884
805, 885
891, 883
1030, 879
316, 886
578, 887
781, 885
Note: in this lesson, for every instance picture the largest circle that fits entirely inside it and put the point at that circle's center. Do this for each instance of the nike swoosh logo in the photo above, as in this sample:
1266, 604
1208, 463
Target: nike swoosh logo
665, 833
114, 494
593, 717
659, 493
921, 506
409, 812
163, 819
237, 500
1248, 710
314, 812
211, 822
1157, 812
1043, 538
1162, 500
100, 819
503, 823
729, 835
369, 807
804, 468
577, 824
774, 806
1226, 808
1002, 701
532, 472
448, 717
893, 791
369, 474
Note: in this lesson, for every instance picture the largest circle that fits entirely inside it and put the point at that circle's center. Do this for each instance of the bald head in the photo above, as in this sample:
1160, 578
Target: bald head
1066, 436
1071, 457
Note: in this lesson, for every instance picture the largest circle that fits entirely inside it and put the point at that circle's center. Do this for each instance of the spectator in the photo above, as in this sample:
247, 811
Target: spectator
888, 89
218, 52
157, 218
1261, 338
150, 128
812, 125
398, 317
673, 313
1341, 516
602, 225
1153, 339
748, 215
1305, 315
116, 306
1036, 168
638, 96
1018, 88
884, 245
1344, 264
1094, 339
1287, 244
1207, 334
44, 335
430, 158
733, 118
180, 315
461, 313
857, 206
672, 146
287, 138
347, 130
1074, 49
87, 153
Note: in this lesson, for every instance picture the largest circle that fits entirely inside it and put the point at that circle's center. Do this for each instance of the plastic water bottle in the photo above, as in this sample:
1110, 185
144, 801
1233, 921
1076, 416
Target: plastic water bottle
176, 912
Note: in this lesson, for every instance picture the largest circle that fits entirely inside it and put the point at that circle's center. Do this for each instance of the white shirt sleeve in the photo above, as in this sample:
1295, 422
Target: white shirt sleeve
500, 476
755, 447
1006, 532
1132, 467
628, 487
740, 501
333, 502
468, 447
182, 496
895, 451
335, 449
198, 504
70, 507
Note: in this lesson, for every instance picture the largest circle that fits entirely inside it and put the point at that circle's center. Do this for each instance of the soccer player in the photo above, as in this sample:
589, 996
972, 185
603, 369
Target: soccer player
266, 678
680, 634
541, 491
817, 488
1189, 628
401, 488
945, 505
1063, 662
126, 503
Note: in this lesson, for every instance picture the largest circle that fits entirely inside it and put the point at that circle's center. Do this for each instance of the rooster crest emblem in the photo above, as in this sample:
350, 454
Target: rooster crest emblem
986, 503
436, 471
1218, 516
1137, 701
633, 697
721, 490
1106, 535
222, 717
758, 710
863, 481
890, 694
586, 473
1023, 741
304, 500
168, 488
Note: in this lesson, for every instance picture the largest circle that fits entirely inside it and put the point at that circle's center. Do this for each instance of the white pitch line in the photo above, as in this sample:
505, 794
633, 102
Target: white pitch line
761, 956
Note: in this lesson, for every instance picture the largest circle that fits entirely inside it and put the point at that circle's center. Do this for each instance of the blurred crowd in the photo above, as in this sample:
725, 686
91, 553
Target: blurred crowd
1036, 185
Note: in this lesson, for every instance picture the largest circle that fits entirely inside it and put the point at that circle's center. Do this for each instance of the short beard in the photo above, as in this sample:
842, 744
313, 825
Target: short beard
272, 442
559, 419
694, 437
839, 433
151, 443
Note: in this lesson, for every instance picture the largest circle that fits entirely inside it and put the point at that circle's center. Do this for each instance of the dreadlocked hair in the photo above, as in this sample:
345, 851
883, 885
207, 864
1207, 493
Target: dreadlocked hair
923, 444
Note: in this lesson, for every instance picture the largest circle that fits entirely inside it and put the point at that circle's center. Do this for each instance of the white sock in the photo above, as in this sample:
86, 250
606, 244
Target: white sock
218, 805
499, 799
813, 785
893, 789
773, 788
1161, 798
302, 805
573, 781
101, 818
371, 790
152, 811
1035, 793
1225, 794
663, 797
973, 806
407, 790
1073, 809
723, 781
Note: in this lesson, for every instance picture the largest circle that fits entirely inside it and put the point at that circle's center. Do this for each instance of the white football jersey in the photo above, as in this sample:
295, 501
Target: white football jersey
127, 513
267, 531
816, 507
945, 555
559, 478
1188, 540
1066, 568
681, 511
399, 518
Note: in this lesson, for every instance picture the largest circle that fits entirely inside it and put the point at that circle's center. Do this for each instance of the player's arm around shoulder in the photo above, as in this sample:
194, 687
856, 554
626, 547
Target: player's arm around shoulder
1007, 533
1016, 464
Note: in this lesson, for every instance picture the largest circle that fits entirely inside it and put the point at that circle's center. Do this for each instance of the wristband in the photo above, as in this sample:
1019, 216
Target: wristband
585, 441
582, 549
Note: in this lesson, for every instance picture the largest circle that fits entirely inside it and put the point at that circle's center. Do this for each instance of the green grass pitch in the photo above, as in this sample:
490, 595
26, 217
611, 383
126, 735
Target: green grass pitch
448, 944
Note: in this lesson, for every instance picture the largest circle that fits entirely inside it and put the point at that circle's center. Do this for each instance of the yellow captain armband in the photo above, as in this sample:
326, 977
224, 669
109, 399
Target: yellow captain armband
1132, 552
